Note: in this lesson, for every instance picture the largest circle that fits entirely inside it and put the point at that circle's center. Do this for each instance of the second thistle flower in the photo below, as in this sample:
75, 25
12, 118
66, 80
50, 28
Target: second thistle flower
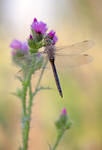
63, 122
19, 48
51, 38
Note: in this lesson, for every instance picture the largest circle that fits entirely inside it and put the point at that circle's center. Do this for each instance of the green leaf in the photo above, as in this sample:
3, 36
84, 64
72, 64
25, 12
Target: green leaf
19, 92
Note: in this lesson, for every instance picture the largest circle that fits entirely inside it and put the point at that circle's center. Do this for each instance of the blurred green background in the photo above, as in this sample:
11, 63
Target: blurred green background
73, 21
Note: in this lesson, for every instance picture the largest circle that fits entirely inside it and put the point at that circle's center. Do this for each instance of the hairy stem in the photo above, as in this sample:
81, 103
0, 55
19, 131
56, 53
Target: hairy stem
27, 115
59, 137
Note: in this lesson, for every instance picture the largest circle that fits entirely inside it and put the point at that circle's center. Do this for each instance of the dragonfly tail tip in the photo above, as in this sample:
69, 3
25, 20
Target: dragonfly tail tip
61, 94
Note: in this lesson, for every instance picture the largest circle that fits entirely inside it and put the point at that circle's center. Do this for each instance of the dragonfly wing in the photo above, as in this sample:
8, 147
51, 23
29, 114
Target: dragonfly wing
76, 48
71, 61
28, 60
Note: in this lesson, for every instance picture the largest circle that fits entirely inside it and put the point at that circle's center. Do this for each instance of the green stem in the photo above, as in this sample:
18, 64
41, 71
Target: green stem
27, 115
59, 137
27, 122
40, 77
24, 99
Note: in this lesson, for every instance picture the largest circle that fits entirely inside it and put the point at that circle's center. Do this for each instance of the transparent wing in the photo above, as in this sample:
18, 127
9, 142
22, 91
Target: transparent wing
29, 60
71, 61
76, 48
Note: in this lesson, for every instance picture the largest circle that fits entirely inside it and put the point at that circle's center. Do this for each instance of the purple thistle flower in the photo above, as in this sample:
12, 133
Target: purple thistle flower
39, 27
64, 111
51, 33
19, 47
15, 44
52, 36
63, 122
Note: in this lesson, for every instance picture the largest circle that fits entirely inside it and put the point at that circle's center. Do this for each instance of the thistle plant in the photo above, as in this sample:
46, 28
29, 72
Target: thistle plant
27, 57
62, 125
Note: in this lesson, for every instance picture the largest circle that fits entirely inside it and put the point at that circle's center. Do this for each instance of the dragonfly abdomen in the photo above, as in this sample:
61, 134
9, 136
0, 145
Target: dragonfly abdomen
56, 77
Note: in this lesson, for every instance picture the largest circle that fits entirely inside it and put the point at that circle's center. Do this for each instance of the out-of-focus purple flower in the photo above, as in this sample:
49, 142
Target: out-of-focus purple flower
39, 27
52, 36
64, 111
15, 44
19, 47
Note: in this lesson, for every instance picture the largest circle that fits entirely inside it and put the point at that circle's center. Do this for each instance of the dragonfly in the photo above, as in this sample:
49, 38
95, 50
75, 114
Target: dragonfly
74, 54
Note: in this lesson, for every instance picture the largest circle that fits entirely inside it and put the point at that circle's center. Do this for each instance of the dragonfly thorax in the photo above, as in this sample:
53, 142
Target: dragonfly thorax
50, 50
